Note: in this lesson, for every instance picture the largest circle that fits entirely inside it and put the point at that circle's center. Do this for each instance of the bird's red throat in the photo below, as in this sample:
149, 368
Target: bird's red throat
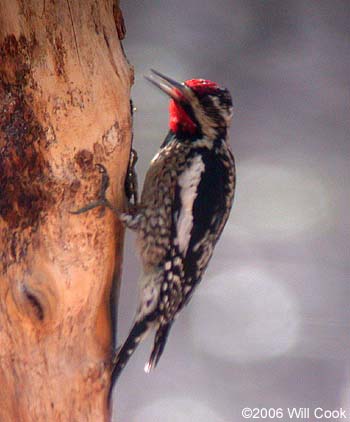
180, 121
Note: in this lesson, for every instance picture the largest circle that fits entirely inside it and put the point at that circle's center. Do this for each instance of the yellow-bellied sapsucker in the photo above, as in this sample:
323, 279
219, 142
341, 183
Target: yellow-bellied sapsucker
185, 202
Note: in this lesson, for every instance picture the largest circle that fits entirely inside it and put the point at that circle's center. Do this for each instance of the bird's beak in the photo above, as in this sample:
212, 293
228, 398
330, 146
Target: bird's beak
177, 91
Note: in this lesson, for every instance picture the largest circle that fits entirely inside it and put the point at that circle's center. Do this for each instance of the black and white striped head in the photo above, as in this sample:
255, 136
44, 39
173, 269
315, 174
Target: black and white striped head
198, 107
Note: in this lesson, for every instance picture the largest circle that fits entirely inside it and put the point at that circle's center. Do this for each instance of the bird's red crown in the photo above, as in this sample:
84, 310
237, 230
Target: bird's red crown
202, 86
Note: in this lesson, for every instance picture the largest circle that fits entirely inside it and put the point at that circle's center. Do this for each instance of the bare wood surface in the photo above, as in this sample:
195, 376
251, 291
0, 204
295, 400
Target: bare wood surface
64, 106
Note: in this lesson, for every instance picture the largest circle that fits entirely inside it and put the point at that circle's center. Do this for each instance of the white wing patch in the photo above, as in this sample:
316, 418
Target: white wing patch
188, 182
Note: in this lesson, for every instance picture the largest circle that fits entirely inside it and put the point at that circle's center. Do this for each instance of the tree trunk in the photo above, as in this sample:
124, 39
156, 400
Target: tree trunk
64, 106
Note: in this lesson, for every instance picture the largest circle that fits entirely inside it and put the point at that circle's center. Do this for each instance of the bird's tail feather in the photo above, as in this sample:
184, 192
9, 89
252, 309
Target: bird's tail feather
137, 333
158, 347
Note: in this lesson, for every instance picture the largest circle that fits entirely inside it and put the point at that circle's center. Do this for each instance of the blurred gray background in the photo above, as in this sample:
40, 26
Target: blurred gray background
269, 325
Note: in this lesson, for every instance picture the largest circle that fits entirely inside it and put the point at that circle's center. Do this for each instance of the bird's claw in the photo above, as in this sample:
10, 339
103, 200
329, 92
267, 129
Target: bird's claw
131, 185
102, 201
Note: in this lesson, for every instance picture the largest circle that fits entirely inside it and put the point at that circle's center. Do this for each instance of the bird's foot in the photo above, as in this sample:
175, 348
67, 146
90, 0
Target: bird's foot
101, 201
131, 185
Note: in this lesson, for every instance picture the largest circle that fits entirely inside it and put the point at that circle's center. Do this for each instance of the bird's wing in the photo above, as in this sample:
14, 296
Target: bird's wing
201, 207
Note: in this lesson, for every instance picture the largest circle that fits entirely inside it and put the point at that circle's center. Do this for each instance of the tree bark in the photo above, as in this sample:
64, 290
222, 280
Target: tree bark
64, 106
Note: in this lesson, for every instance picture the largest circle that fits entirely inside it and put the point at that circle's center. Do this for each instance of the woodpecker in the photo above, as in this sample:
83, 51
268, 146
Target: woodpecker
186, 200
